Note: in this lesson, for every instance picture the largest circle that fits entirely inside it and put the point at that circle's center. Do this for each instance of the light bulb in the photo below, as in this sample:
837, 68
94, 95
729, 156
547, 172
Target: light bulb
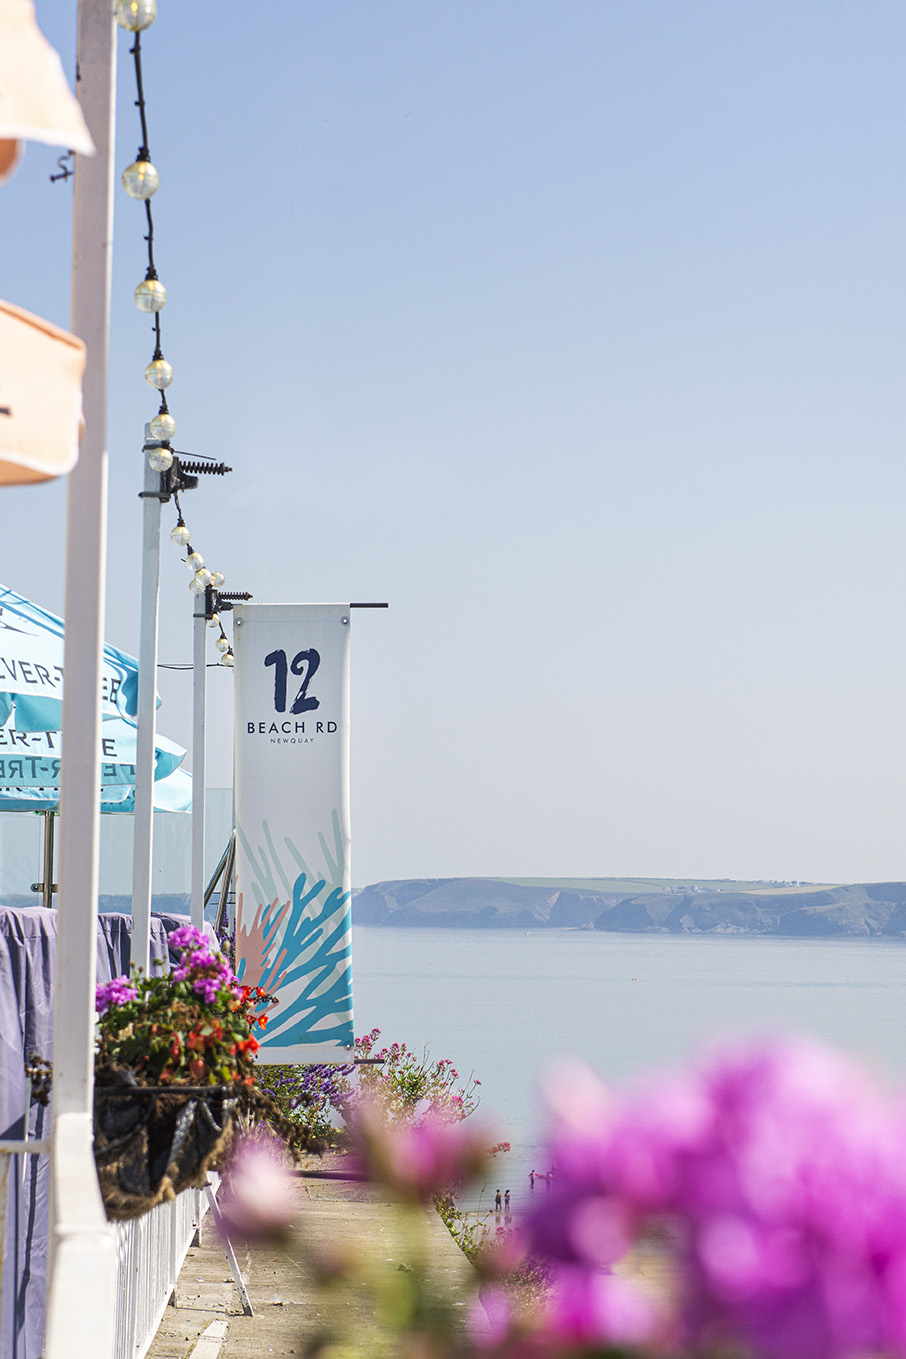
217, 579
214, 620
150, 295
160, 459
194, 561
141, 180
163, 426
159, 374
222, 644
136, 15
179, 535
228, 659
200, 582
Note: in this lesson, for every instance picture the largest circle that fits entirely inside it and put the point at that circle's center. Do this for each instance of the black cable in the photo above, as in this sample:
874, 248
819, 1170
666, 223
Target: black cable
144, 154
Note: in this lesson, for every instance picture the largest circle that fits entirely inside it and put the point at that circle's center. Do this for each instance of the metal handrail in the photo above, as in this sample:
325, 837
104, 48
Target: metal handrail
215, 876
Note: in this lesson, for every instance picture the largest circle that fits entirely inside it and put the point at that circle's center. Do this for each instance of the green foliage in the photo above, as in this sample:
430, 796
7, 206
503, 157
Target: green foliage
308, 1096
406, 1086
398, 1082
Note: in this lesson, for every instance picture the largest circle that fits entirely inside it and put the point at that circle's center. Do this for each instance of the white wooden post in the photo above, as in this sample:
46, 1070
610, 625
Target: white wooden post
80, 1293
199, 694
143, 820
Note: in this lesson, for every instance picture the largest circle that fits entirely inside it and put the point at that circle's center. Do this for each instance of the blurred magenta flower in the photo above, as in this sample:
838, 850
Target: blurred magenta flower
490, 1317
780, 1173
591, 1310
259, 1199
417, 1160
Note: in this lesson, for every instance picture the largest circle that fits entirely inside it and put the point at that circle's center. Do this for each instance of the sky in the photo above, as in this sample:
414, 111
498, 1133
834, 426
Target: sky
572, 329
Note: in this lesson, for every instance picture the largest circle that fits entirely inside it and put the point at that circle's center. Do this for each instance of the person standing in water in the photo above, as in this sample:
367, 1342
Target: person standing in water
506, 1202
497, 1203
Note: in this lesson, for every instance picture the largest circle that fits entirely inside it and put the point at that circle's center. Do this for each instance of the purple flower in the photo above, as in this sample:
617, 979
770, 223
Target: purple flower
208, 988
782, 1173
208, 971
188, 937
116, 992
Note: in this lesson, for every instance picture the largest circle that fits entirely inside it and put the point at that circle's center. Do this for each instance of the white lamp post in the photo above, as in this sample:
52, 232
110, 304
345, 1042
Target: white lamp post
80, 1292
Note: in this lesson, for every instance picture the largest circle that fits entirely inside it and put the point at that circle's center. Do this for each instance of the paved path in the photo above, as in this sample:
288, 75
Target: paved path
334, 1217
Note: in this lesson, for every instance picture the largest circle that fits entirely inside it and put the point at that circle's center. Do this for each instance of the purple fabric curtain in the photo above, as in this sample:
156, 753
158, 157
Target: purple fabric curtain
27, 951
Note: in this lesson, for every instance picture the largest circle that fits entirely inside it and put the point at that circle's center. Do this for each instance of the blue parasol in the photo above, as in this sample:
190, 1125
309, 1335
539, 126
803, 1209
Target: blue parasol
31, 669
31, 704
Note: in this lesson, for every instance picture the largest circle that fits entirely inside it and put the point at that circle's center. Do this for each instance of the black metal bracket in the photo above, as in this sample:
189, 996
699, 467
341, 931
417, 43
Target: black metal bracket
221, 601
181, 475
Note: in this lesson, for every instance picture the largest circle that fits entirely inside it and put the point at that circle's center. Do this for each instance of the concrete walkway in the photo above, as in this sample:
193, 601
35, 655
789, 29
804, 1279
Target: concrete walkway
335, 1219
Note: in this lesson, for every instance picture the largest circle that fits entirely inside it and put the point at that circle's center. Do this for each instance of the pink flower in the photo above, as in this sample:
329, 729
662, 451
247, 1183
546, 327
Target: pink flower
259, 1199
598, 1309
419, 1159
489, 1317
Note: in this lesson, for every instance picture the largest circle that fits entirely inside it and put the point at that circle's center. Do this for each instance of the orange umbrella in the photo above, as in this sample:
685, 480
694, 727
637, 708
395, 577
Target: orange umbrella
36, 103
41, 370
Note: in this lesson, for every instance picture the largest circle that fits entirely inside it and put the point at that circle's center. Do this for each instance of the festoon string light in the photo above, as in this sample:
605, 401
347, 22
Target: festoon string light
141, 182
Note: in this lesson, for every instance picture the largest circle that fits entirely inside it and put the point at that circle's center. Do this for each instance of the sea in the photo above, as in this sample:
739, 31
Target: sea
509, 1006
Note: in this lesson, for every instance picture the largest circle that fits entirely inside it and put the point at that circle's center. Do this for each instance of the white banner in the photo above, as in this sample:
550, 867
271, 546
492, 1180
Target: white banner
293, 917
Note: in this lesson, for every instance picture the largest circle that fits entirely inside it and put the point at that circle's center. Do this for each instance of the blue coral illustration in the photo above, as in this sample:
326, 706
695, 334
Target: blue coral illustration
298, 940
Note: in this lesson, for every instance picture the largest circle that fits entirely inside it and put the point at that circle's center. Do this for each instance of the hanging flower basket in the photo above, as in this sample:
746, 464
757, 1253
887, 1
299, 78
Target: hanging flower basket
175, 1054
151, 1142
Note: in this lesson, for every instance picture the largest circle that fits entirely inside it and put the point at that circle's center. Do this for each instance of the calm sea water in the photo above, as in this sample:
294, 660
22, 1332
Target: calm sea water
507, 1004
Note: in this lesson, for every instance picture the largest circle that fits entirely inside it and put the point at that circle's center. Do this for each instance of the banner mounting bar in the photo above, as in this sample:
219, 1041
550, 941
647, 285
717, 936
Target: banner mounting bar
369, 606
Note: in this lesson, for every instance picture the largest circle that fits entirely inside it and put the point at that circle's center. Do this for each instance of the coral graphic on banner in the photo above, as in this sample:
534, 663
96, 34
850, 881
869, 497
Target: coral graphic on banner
297, 942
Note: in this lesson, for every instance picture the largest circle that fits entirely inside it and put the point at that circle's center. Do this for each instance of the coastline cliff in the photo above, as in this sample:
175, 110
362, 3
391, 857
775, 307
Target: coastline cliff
656, 906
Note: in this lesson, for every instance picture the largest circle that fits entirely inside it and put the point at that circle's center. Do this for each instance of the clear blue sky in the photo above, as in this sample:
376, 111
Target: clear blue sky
576, 331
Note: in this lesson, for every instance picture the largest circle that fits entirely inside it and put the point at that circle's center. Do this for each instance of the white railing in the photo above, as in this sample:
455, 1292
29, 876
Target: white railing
150, 1251
80, 1291
144, 1256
